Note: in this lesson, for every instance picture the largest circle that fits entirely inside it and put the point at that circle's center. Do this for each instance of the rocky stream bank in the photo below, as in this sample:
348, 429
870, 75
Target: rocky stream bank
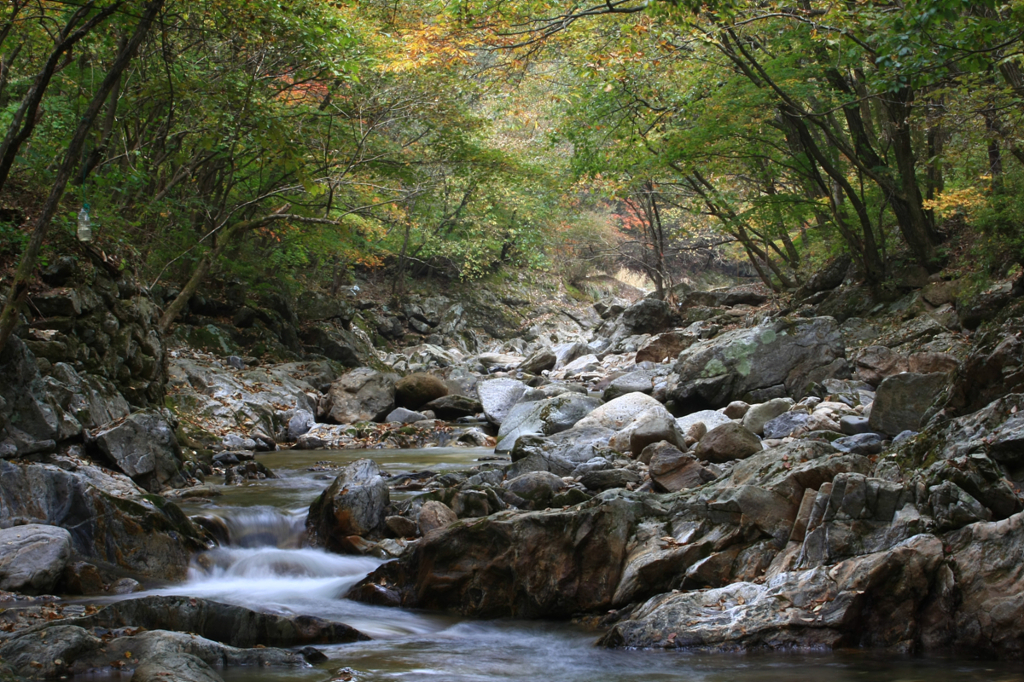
726, 473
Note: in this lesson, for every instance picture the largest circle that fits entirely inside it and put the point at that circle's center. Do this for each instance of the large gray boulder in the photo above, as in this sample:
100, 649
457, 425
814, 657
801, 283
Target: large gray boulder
361, 395
649, 316
32, 558
902, 400
728, 442
355, 505
499, 396
109, 519
145, 447
784, 357
755, 418
544, 417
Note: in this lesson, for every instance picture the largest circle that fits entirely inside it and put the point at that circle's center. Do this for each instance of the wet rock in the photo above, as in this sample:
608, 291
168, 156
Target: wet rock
33, 557
361, 395
354, 505
727, 442
453, 407
755, 417
902, 400
788, 354
851, 603
48, 653
519, 564
544, 417
416, 390
107, 515
434, 515
235, 626
179, 667
499, 396
145, 448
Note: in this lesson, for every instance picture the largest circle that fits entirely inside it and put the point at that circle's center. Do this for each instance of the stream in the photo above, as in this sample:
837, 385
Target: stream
264, 568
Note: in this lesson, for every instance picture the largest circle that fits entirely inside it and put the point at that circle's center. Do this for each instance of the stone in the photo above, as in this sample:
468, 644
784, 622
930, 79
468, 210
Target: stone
671, 470
639, 381
401, 526
354, 505
929, 362
710, 419
33, 558
851, 425
499, 396
566, 353
609, 479
300, 423
434, 515
360, 395
538, 362
179, 667
737, 409
82, 578
754, 419
535, 564
649, 316
401, 415
536, 487
621, 412
582, 364
860, 444
452, 407
544, 417
902, 400
48, 654
416, 390
728, 442
145, 447
667, 345
875, 363
652, 426
788, 355
788, 424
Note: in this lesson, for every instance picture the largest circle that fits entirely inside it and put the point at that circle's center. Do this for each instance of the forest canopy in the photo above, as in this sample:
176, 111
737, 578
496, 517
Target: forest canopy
305, 139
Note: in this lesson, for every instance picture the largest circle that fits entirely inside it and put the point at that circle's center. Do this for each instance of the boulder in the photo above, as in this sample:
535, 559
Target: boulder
728, 442
621, 412
875, 363
416, 390
145, 447
499, 396
566, 353
452, 407
108, 517
737, 409
33, 558
709, 418
400, 415
755, 417
787, 424
179, 667
537, 564
672, 470
860, 444
665, 346
544, 417
639, 381
361, 395
354, 506
653, 426
49, 653
902, 401
786, 356
300, 423
649, 316
851, 425
538, 362
536, 487
609, 479
434, 515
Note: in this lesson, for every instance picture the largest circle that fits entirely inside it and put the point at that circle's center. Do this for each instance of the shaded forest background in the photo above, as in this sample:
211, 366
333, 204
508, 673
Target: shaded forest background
293, 144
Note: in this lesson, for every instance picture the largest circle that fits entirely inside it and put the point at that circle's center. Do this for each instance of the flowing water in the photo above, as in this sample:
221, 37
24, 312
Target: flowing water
263, 567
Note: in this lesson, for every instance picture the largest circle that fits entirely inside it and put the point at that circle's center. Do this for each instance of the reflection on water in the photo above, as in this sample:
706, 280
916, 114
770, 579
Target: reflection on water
262, 567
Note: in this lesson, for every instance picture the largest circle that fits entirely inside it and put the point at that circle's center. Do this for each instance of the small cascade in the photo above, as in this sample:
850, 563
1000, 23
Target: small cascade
252, 527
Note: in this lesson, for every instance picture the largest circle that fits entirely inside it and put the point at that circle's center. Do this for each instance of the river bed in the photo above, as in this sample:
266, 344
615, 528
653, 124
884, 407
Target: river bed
268, 570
